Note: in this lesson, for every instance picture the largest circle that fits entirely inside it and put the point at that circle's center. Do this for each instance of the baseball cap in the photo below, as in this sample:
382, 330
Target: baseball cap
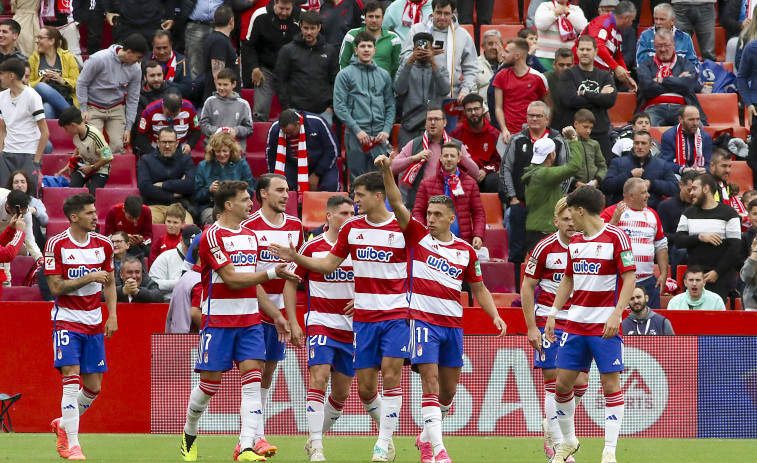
542, 148
189, 232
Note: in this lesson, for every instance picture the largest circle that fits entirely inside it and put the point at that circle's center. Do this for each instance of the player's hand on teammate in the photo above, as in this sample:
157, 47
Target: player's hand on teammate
282, 272
282, 327
501, 326
111, 326
349, 309
534, 338
282, 252
549, 329
612, 325
296, 333
18, 222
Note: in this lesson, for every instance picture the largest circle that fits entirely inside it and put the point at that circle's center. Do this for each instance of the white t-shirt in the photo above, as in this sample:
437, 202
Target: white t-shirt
20, 115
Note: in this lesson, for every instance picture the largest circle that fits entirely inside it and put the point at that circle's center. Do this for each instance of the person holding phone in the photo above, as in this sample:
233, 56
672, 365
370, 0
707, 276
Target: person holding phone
54, 72
15, 204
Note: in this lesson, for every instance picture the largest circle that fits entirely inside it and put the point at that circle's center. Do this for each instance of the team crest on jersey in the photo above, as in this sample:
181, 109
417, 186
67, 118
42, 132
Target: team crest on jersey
290, 237
312, 353
60, 354
97, 253
459, 256
391, 238
486, 146
205, 358
419, 350
599, 250
249, 241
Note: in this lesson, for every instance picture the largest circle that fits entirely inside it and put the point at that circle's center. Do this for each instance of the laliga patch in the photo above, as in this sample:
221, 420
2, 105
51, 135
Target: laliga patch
142, 124
50, 263
531, 265
218, 255
627, 258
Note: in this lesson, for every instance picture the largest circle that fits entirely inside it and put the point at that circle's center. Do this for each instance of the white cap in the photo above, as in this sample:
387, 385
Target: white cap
542, 148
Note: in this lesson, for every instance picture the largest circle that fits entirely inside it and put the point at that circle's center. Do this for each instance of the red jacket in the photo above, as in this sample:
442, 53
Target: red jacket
482, 146
116, 221
468, 207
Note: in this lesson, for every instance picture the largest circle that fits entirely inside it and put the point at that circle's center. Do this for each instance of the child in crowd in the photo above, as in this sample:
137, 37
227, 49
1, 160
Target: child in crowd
624, 144
532, 38
90, 163
175, 215
594, 166
226, 111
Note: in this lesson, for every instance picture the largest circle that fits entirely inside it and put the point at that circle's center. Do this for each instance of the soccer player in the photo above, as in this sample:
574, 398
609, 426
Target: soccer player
272, 225
328, 327
78, 267
596, 257
231, 328
376, 245
441, 262
545, 268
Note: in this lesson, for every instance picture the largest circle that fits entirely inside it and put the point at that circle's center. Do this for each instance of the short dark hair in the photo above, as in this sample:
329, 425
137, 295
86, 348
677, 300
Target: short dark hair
135, 43
373, 5
526, 32
311, 17
17, 198
264, 182
708, 180
371, 181
443, 3
520, 44
640, 115
363, 36
584, 115
437, 108
752, 203
643, 133
168, 129
337, 200
14, 65
624, 7
172, 102
70, 115
162, 33
288, 117
693, 269
443, 199
223, 16
643, 289
74, 204
719, 154
15, 27
587, 38
228, 74
150, 64
472, 98
563, 53
587, 197
689, 176
133, 205
228, 189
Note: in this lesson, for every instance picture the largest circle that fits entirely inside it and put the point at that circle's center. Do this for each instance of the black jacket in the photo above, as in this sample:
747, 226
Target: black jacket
148, 292
591, 83
305, 75
662, 180
140, 12
177, 174
268, 35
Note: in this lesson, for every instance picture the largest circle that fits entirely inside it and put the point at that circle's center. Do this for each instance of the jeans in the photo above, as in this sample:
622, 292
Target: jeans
654, 293
194, 36
490, 183
52, 101
484, 10
261, 108
663, 114
699, 19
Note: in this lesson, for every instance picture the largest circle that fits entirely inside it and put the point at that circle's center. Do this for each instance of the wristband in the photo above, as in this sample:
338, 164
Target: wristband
552, 311
271, 274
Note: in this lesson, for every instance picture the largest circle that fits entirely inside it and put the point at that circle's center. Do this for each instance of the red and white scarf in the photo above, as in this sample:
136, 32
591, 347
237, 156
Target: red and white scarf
412, 172
453, 180
682, 155
48, 9
665, 69
567, 32
302, 159
311, 5
170, 73
413, 12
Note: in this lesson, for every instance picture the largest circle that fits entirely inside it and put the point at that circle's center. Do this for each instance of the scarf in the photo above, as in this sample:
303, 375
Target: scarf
302, 159
412, 172
169, 73
449, 45
453, 183
311, 5
664, 69
567, 32
682, 156
49, 8
413, 12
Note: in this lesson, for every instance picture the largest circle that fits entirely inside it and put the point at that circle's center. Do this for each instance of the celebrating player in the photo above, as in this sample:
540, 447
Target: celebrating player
232, 331
374, 241
441, 262
545, 268
272, 225
596, 256
78, 266
328, 326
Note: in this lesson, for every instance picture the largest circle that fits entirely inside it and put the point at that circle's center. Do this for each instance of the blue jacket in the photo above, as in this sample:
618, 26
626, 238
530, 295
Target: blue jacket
687, 87
668, 149
662, 180
210, 171
684, 47
746, 81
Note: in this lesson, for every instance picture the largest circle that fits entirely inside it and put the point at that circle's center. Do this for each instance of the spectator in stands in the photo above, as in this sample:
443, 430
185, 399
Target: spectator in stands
517, 157
178, 319
401, 15
711, 233
698, 16
23, 129
195, 18
55, 71
748, 235
223, 161
122, 249
133, 218
480, 139
515, 88
670, 212
686, 146
135, 286
459, 56
543, 184
129, 17
642, 320
605, 30
218, 51
108, 90
667, 83
530, 36
270, 31
484, 11
682, 46
419, 158
9, 31
226, 111
662, 181
175, 217
720, 169
90, 163
174, 65
563, 60
696, 297
11, 202
747, 86
338, 18
748, 273
170, 111
306, 69
166, 176
734, 19
388, 43
587, 86
421, 83
649, 243
594, 166
20, 181
492, 57
301, 139
165, 269
154, 89
558, 23
470, 217
91, 15
624, 144
366, 110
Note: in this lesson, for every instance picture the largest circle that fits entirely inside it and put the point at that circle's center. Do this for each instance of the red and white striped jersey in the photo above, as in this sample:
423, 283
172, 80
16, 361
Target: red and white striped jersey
595, 262
289, 230
645, 231
439, 269
379, 262
222, 306
547, 265
78, 310
328, 295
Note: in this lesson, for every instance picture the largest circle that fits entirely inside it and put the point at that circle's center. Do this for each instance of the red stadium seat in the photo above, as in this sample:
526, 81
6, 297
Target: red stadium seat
508, 31
495, 239
54, 197
722, 109
646, 19
257, 142
55, 227
52, 163
198, 152
62, 142
506, 12
664, 301
395, 137
493, 210
622, 112
736, 304
720, 42
258, 163
20, 268
21, 293
291, 204
158, 230
657, 132
123, 171
680, 270
314, 207
275, 108
469, 28
741, 175
499, 277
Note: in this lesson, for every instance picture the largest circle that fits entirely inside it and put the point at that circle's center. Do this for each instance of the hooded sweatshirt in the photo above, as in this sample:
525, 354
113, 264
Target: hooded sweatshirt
708, 301
364, 98
233, 112
421, 87
651, 324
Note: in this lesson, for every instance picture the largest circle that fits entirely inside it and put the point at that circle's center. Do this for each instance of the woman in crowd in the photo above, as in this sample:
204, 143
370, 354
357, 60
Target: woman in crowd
54, 72
20, 180
558, 23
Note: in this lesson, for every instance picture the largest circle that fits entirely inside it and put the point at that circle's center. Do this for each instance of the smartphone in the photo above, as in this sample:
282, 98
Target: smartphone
18, 210
439, 44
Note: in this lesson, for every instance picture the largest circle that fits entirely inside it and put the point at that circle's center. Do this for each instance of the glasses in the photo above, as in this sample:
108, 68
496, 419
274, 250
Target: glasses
434, 119
167, 142
118, 241
474, 110
535, 116
40, 37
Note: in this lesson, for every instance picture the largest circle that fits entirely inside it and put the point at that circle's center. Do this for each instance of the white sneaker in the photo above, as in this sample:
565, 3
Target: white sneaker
608, 457
563, 451
379, 454
391, 452
308, 446
317, 455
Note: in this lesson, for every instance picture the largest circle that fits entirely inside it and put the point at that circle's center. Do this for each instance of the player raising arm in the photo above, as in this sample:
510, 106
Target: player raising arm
78, 267
596, 257
231, 323
441, 262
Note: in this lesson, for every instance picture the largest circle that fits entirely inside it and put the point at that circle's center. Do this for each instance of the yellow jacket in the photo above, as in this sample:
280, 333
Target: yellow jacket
70, 70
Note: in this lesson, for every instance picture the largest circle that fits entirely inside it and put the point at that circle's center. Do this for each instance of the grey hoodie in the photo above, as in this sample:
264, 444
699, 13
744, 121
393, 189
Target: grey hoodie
652, 323
232, 112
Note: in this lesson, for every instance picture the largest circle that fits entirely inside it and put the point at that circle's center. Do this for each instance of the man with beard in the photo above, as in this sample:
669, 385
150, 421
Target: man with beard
563, 60
670, 212
480, 138
642, 320
711, 232
720, 168
686, 146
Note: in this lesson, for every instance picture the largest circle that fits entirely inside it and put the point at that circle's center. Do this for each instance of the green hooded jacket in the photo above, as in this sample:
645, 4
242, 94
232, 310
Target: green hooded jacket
364, 98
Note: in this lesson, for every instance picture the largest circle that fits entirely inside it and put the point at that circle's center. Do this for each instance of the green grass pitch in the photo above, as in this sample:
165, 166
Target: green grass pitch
165, 448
